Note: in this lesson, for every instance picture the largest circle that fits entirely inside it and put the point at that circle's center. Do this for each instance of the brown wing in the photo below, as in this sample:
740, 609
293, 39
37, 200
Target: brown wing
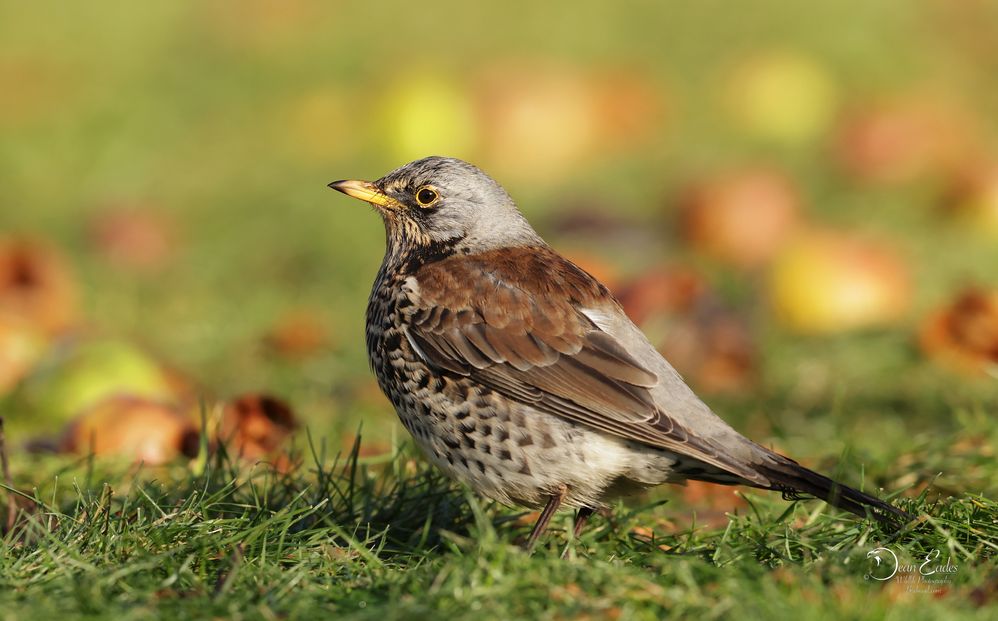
511, 320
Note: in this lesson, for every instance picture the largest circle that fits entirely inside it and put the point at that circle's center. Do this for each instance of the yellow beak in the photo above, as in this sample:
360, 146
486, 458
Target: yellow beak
365, 191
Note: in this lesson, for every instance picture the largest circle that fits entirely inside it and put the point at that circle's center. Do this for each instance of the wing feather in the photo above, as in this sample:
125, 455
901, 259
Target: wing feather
521, 329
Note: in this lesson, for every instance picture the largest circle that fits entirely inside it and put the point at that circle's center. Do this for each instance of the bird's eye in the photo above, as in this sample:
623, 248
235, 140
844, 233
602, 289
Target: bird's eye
426, 196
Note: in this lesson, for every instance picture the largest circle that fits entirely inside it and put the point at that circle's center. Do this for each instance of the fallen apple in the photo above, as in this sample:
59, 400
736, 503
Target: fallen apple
425, 113
21, 348
538, 122
743, 217
37, 285
781, 96
630, 109
826, 282
902, 139
71, 381
136, 428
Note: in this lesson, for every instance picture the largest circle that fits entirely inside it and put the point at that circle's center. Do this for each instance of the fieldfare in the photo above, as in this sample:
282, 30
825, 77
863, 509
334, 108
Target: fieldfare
519, 374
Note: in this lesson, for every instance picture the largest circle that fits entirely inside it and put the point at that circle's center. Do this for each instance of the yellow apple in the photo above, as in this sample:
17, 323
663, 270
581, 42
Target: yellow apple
424, 114
826, 282
21, 347
538, 122
782, 97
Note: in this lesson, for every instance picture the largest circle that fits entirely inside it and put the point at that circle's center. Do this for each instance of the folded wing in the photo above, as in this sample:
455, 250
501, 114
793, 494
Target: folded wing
515, 323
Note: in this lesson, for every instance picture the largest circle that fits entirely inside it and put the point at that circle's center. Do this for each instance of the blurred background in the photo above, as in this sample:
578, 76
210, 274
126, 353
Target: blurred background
797, 201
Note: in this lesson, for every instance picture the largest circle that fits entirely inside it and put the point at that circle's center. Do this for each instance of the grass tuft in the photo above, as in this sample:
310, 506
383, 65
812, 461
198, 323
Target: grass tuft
390, 537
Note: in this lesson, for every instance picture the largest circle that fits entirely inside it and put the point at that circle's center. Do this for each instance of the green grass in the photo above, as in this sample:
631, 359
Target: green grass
393, 539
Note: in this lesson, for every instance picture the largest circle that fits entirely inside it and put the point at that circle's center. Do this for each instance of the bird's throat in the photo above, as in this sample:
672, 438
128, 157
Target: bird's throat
407, 249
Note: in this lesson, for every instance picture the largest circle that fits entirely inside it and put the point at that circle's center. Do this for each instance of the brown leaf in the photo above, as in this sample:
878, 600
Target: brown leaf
963, 334
255, 426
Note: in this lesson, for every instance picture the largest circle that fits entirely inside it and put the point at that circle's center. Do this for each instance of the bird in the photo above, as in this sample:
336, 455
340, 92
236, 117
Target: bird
520, 375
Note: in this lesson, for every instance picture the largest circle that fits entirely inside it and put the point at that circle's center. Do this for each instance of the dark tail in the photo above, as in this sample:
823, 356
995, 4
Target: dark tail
792, 479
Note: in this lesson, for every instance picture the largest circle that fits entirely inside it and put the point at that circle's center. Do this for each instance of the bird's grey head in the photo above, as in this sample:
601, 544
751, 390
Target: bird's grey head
443, 202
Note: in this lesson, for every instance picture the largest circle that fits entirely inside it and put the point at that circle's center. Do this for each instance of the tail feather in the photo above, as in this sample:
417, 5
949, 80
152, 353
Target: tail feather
792, 479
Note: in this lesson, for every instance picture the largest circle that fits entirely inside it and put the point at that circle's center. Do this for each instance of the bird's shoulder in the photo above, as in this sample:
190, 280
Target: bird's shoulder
521, 309
517, 282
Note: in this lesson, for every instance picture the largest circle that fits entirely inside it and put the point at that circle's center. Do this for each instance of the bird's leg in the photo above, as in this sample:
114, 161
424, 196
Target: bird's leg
554, 501
580, 523
580, 520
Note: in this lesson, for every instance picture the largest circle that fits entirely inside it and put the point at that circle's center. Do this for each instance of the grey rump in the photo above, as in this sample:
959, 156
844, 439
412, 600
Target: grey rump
519, 374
